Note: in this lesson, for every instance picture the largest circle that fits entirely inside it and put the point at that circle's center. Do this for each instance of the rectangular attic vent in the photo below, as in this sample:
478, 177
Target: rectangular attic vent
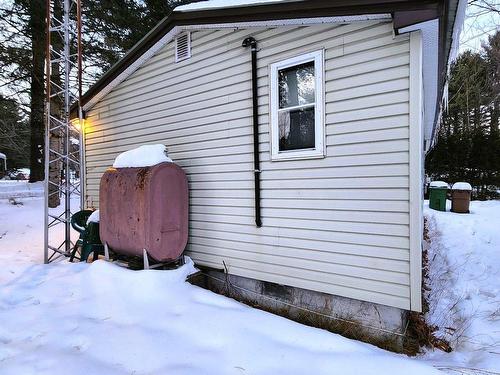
183, 46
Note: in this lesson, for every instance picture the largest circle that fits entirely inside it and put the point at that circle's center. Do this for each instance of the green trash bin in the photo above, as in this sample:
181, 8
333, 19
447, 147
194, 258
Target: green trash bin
437, 195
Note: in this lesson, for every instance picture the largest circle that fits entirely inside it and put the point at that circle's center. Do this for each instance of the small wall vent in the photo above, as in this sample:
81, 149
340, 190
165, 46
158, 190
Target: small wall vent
183, 46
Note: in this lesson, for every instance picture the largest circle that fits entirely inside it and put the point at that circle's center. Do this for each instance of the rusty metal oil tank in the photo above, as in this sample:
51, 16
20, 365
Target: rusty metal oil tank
145, 208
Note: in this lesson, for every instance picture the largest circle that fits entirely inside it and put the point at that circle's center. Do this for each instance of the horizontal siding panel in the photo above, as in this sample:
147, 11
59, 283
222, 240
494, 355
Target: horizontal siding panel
373, 66
377, 100
370, 89
352, 193
279, 256
331, 258
323, 220
312, 204
371, 49
381, 123
185, 106
347, 183
369, 136
339, 215
353, 254
368, 148
174, 137
231, 119
353, 244
241, 137
228, 86
213, 162
368, 113
339, 172
368, 78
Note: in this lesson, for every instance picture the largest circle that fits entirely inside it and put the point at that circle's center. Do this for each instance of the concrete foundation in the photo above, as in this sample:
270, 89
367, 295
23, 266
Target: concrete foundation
380, 325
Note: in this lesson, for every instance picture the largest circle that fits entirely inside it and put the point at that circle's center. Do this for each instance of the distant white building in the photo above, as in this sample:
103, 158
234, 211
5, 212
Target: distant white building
3, 165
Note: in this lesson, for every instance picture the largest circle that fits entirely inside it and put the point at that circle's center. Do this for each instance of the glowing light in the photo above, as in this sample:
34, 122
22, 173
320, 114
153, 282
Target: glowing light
77, 124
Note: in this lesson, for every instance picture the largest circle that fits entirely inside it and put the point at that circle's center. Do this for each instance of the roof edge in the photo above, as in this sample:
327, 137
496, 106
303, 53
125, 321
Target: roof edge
145, 48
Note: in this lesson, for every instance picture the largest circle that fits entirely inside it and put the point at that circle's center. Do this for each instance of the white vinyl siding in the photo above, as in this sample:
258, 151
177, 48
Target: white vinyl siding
339, 224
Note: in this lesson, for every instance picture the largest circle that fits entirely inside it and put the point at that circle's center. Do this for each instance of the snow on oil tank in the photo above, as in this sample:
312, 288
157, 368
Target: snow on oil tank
145, 208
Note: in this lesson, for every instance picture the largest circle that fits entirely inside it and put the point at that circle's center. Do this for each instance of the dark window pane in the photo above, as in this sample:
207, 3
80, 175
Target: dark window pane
296, 129
296, 85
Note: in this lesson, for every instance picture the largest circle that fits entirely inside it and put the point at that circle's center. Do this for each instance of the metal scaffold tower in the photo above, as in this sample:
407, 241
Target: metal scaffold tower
63, 136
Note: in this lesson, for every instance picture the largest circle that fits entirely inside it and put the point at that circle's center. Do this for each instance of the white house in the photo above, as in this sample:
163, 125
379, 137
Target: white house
302, 126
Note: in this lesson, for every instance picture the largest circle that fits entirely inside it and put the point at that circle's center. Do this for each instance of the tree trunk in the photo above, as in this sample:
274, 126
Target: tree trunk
37, 91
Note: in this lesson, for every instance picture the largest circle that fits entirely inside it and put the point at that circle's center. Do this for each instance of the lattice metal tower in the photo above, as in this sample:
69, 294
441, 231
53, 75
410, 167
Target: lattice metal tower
63, 137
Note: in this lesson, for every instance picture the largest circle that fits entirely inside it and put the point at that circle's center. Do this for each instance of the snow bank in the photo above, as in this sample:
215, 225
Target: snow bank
110, 320
142, 156
213, 4
464, 278
94, 217
461, 186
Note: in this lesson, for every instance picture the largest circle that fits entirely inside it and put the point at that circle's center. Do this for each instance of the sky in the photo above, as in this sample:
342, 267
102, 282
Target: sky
479, 24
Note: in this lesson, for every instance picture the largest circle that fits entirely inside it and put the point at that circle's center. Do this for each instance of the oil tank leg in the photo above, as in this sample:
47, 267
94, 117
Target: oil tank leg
146, 260
106, 252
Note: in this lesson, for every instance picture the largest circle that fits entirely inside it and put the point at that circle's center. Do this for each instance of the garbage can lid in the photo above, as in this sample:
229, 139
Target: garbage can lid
438, 184
461, 186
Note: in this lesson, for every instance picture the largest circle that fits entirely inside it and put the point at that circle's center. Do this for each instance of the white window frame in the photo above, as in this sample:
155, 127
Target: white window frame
319, 110
188, 36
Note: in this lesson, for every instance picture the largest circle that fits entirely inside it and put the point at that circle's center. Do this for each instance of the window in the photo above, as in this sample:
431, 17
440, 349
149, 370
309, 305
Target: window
297, 107
183, 46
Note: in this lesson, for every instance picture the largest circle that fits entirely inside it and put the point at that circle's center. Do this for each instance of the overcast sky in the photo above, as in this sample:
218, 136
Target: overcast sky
479, 23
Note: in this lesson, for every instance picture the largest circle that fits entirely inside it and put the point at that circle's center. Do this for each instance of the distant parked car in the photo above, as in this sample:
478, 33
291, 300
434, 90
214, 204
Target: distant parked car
19, 174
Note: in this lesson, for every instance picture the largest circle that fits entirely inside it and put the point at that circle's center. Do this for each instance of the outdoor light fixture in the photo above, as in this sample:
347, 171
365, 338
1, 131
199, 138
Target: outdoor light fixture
78, 124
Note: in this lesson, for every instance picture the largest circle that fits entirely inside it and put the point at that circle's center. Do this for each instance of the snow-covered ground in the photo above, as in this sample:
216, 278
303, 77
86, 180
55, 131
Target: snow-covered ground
464, 280
20, 189
102, 319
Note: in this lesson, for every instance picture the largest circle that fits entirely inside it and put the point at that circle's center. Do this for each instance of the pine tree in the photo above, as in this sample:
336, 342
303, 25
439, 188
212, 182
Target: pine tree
110, 28
468, 140
14, 134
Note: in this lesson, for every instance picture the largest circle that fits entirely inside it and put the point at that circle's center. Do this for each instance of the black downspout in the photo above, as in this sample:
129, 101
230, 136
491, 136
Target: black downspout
252, 43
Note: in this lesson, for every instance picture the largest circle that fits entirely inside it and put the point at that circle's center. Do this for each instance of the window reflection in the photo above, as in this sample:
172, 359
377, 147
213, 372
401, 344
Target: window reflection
297, 95
296, 85
296, 129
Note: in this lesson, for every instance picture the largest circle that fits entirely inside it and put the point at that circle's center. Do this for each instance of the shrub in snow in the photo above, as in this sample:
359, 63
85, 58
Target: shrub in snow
142, 156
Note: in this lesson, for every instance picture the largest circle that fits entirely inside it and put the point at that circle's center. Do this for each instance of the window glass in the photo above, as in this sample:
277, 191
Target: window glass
296, 85
296, 128
296, 107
